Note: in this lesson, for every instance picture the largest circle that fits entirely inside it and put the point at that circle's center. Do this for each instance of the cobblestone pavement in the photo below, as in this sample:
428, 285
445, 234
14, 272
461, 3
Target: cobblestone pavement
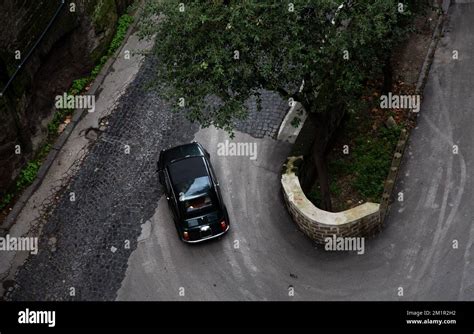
85, 244
266, 122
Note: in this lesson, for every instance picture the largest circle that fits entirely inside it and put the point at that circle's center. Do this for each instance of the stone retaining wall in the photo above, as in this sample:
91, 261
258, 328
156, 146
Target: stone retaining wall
361, 221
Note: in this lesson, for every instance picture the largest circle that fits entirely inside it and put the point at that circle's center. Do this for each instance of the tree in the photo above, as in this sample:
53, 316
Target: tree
225, 52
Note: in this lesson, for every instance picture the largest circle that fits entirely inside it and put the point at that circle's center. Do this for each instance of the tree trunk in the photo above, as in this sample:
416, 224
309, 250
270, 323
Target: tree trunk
323, 179
324, 127
315, 166
308, 175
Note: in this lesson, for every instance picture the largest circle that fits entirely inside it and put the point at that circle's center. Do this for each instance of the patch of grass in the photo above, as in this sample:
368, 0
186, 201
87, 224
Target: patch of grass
6, 200
43, 151
58, 118
99, 66
123, 23
372, 157
28, 174
79, 85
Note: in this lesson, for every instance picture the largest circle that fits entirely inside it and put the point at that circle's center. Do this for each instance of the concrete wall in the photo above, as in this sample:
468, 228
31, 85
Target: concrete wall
361, 221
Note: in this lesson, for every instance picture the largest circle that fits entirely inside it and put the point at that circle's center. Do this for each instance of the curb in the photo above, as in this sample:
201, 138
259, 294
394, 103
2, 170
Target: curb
63, 137
405, 134
287, 132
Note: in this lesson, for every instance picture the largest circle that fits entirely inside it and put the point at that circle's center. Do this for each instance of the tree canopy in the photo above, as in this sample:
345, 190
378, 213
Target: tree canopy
233, 49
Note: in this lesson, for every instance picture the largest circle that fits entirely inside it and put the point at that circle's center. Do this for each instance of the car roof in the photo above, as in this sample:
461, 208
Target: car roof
182, 151
189, 177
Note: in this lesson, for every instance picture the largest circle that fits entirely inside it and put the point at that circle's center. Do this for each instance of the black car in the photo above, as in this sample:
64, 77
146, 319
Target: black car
193, 193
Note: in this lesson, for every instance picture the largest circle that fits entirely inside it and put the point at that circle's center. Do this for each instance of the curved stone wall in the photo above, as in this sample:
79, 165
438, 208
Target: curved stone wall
361, 221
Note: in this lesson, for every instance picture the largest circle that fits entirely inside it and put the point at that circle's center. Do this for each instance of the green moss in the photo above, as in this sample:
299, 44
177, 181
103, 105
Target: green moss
44, 150
124, 22
6, 200
79, 85
104, 14
28, 174
104, 17
58, 118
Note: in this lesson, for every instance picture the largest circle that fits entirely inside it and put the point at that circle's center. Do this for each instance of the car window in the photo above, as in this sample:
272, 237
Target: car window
192, 222
193, 187
197, 204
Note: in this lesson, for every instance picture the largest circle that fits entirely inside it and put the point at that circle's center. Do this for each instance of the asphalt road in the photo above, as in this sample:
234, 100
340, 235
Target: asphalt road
416, 251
